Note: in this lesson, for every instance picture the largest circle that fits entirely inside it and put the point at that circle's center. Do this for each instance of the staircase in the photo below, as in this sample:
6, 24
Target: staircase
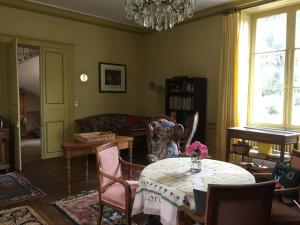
27, 52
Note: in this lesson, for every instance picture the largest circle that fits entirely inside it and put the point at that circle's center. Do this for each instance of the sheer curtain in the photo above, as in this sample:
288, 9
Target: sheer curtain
228, 115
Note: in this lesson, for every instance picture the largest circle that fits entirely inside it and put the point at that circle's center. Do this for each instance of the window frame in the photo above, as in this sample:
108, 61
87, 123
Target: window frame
288, 69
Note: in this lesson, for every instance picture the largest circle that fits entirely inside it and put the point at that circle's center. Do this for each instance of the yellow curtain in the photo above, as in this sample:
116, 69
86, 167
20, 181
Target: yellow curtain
228, 81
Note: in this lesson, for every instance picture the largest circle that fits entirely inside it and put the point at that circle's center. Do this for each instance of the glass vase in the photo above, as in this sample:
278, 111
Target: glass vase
195, 164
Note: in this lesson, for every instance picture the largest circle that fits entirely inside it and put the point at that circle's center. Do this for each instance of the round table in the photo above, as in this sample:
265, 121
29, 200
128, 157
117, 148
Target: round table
167, 184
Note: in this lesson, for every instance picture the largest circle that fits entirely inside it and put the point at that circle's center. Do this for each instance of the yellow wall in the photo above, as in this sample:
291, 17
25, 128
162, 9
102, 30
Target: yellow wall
92, 44
192, 49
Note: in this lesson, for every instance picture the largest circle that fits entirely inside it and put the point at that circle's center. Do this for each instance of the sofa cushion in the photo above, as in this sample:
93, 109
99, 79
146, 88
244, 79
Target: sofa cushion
109, 122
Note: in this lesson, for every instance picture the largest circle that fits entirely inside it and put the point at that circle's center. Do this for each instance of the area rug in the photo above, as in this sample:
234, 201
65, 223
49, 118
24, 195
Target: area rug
15, 188
83, 209
19, 216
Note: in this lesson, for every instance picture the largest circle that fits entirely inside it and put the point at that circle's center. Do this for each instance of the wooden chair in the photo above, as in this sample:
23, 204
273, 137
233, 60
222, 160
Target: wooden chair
190, 130
114, 190
233, 205
282, 214
163, 138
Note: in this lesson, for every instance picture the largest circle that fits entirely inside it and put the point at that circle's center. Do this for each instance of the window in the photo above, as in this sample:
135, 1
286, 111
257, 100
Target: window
274, 88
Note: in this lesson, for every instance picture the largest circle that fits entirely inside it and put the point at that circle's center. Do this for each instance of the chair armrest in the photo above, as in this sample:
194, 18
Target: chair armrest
136, 166
183, 209
115, 180
286, 191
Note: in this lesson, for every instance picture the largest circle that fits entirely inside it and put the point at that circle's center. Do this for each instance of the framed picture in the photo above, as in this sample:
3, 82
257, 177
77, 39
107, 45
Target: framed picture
112, 77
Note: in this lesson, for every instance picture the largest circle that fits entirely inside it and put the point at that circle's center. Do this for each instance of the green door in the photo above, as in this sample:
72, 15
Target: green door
13, 109
54, 121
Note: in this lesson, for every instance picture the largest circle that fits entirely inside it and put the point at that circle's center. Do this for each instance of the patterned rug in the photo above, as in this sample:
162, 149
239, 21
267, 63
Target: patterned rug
23, 215
83, 209
15, 188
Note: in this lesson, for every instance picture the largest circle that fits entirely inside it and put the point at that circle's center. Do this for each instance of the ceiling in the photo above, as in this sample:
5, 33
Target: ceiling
113, 10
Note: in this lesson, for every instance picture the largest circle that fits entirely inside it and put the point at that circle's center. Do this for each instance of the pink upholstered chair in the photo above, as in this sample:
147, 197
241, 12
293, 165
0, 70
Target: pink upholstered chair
114, 190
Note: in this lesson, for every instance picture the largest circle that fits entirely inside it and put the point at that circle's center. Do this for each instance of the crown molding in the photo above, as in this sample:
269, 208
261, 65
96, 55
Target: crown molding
85, 18
71, 15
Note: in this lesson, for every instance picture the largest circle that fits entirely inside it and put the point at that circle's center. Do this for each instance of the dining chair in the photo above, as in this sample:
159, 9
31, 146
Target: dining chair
232, 205
114, 190
163, 138
190, 130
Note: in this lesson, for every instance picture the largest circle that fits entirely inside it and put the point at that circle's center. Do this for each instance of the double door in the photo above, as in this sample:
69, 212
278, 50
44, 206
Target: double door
55, 94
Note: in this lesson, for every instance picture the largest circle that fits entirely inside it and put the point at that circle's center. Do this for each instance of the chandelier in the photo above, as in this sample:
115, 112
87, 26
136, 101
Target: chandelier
159, 14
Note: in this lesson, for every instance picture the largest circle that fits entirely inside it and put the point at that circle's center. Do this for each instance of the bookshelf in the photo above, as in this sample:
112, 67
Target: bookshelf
185, 96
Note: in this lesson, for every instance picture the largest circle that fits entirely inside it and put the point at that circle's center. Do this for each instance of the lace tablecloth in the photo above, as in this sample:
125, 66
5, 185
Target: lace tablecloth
168, 183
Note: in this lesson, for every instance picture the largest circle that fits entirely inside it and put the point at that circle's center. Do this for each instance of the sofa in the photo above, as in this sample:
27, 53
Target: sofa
110, 122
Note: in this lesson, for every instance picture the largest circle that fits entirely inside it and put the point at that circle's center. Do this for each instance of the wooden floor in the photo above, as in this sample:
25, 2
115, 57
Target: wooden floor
49, 175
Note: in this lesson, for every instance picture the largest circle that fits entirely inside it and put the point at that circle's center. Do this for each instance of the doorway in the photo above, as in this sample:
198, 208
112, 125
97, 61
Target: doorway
30, 102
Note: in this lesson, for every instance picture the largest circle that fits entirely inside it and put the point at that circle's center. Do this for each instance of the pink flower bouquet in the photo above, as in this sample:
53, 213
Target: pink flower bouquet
197, 149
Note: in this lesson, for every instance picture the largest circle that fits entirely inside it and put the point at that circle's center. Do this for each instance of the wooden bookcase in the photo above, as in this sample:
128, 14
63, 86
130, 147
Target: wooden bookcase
185, 96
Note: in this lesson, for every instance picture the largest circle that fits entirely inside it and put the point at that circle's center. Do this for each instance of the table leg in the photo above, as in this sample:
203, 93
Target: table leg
130, 151
130, 157
87, 169
68, 175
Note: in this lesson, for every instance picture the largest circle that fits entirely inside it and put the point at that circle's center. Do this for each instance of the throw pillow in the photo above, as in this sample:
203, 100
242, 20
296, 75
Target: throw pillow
286, 177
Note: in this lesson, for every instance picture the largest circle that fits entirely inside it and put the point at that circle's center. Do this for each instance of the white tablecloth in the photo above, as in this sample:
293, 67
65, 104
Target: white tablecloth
167, 184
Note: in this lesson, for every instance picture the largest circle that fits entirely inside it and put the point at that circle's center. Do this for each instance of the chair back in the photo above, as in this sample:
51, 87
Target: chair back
295, 159
108, 162
239, 204
191, 128
163, 138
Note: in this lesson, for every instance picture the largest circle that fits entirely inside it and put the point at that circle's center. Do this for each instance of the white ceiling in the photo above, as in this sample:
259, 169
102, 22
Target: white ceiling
113, 10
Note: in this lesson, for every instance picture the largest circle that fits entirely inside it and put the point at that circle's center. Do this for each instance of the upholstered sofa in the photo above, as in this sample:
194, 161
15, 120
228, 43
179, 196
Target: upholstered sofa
110, 122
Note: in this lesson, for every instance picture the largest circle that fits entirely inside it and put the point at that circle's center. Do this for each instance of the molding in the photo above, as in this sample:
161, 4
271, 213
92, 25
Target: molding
71, 15
85, 18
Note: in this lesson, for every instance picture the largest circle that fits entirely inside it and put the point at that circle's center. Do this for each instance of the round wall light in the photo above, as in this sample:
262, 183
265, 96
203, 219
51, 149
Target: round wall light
84, 77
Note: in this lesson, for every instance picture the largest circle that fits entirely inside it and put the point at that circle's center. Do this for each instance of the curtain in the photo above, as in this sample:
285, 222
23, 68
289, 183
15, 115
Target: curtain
228, 81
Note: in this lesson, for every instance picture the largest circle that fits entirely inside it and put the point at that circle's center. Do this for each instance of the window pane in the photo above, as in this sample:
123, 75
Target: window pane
268, 92
298, 29
296, 107
269, 70
297, 69
271, 33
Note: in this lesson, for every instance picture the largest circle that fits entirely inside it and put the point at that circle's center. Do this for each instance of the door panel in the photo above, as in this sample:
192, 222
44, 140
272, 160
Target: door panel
13, 111
54, 101
54, 78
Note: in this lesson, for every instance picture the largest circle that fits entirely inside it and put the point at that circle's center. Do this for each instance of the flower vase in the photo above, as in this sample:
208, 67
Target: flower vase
195, 164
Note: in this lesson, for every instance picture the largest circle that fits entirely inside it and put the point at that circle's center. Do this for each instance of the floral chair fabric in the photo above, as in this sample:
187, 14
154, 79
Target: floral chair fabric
163, 139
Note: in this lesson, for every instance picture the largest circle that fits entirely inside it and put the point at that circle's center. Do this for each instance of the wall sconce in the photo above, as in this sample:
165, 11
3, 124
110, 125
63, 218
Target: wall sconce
156, 87
84, 77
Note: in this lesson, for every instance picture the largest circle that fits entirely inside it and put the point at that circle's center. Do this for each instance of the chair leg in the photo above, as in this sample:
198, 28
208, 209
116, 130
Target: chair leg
100, 213
128, 217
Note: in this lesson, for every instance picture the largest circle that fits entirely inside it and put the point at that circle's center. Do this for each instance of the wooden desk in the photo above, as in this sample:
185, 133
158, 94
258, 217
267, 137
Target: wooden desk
76, 149
281, 138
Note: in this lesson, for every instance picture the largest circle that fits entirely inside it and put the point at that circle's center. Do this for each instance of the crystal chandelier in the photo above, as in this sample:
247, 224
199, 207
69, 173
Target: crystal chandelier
159, 14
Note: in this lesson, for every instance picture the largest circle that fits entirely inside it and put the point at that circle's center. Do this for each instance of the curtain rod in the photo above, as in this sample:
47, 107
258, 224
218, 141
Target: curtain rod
247, 6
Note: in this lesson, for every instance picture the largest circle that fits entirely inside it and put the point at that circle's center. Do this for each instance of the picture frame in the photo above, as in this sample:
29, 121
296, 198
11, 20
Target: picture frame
112, 77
